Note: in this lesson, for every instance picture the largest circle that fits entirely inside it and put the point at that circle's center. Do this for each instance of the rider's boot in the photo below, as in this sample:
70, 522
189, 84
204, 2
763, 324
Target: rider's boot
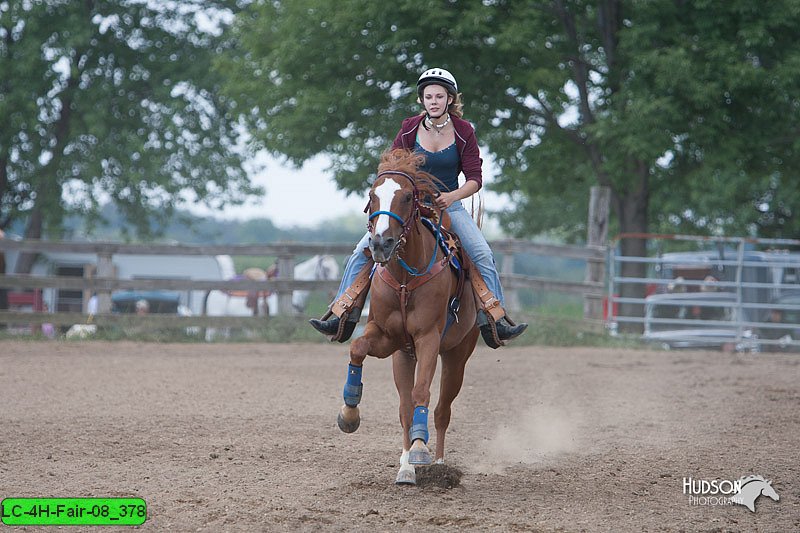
507, 329
495, 325
496, 332
332, 326
325, 325
343, 314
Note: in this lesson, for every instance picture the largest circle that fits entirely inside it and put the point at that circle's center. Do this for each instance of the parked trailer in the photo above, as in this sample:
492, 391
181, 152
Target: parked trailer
753, 277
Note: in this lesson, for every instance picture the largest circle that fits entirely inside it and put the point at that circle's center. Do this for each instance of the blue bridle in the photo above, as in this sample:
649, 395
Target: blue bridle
406, 225
393, 215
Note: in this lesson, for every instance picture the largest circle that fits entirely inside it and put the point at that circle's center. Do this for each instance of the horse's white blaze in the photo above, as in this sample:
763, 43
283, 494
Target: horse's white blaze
385, 193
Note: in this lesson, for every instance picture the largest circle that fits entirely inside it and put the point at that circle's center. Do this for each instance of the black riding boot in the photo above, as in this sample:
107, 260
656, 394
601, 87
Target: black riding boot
332, 325
327, 327
506, 331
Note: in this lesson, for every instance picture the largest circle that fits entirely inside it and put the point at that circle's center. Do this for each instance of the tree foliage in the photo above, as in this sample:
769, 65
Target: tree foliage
114, 100
686, 110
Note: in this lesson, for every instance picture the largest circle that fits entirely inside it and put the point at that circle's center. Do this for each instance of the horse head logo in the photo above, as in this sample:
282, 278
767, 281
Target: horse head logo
751, 488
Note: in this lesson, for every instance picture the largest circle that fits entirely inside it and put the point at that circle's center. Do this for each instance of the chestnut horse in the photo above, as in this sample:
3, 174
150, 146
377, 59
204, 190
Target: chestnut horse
412, 295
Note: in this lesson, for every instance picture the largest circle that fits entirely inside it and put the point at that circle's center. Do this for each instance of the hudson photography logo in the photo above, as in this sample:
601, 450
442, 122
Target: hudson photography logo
743, 491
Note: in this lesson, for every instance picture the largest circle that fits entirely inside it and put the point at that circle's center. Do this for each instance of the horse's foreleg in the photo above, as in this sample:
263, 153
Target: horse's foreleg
407, 474
372, 342
453, 363
427, 348
349, 417
403, 366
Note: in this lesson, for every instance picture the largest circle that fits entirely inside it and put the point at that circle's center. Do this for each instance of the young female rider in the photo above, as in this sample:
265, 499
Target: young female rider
450, 148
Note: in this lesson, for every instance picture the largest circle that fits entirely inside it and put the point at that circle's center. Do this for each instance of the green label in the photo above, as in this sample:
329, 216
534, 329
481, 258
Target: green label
73, 511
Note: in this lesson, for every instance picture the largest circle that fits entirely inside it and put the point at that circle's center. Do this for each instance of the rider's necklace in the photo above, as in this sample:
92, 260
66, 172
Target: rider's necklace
438, 127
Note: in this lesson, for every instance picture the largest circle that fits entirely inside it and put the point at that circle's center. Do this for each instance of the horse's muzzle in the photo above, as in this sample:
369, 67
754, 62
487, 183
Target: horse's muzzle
381, 248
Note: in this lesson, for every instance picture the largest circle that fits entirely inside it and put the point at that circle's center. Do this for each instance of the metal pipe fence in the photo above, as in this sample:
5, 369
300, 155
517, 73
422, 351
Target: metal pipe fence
743, 295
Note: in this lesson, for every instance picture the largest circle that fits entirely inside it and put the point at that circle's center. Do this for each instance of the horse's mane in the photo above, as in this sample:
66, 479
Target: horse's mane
402, 160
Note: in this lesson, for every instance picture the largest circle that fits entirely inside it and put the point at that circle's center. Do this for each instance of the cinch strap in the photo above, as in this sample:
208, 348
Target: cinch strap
419, 426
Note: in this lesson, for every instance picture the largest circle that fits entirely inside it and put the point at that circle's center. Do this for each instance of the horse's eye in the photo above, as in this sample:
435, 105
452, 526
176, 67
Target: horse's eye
408, 197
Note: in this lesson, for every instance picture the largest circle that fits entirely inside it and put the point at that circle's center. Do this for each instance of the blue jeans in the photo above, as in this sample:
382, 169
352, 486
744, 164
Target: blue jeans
472, 240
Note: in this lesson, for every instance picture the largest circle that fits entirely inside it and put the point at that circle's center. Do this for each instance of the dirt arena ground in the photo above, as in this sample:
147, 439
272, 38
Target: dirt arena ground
243, 437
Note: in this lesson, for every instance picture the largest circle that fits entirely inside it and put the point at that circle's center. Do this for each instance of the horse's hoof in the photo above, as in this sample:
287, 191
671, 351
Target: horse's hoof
349, 419
420, 457
406, 477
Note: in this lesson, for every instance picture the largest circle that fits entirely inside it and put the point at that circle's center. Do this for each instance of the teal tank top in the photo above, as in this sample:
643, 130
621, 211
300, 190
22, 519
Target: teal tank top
442, 164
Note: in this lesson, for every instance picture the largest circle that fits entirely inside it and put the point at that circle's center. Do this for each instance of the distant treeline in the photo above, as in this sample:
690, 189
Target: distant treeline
188, 228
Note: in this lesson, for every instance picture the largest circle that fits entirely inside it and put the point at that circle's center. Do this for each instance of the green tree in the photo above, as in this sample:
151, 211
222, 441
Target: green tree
690, 100
114, 100
685, 110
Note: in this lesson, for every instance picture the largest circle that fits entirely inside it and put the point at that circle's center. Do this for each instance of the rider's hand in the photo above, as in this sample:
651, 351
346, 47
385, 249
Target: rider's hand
444, 200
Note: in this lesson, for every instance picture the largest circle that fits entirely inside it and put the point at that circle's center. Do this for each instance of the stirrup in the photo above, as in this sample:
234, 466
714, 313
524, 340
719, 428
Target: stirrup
489, 330
349, 304
347, 325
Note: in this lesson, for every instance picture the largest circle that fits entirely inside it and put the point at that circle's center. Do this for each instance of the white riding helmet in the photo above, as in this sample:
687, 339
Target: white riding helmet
437, 76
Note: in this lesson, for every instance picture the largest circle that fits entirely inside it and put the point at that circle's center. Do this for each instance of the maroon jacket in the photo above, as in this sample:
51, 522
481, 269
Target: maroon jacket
470, 156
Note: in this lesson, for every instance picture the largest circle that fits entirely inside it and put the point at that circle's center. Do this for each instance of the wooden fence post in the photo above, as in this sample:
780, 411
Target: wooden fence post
105, 269
597, 235
511, 294
285, 271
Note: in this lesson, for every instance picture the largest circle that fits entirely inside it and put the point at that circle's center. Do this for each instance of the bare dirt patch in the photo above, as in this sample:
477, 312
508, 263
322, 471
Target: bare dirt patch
243, 437
442, 476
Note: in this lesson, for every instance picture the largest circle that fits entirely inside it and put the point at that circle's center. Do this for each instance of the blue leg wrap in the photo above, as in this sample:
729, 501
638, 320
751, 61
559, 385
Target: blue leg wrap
353, 386
419, 426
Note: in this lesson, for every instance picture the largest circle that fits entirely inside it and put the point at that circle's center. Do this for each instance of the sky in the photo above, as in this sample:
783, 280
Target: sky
321, 199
